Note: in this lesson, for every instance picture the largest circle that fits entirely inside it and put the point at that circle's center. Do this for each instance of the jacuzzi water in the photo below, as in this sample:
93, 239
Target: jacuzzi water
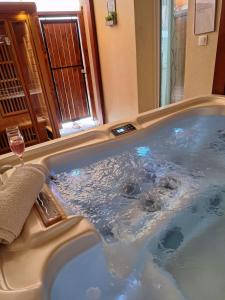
158, 200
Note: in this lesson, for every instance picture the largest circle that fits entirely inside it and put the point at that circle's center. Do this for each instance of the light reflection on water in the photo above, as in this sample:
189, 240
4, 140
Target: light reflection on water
143, 151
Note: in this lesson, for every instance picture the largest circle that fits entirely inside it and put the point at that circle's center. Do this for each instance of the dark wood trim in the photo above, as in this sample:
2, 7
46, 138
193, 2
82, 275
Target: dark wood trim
54, 21
48, 14
28, 7
87, 64
219, 72
45, 76
88, 7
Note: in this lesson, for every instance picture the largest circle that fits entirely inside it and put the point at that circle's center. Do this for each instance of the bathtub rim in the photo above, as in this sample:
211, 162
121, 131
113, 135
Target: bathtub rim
101, 134
146, 125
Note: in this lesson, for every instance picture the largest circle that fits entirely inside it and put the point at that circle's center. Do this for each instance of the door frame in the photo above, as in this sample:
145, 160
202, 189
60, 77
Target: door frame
219, 71
89, 10
95, 79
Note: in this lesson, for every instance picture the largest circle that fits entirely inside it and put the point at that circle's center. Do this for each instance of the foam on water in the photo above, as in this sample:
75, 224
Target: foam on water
148, 202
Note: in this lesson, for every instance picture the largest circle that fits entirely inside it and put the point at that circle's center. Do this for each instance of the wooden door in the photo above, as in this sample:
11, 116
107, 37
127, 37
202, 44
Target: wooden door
66, 62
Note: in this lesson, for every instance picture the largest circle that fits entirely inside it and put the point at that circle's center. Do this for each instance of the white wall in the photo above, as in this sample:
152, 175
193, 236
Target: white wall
117, 50
128, 57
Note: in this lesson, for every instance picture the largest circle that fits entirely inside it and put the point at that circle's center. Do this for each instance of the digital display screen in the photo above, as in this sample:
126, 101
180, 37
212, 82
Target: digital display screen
120, 130
123, 129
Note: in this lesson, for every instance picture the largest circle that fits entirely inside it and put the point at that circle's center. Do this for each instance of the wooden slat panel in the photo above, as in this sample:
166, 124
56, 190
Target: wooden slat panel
63, 44
62, 93
53, 50
73, 88
72, 96
73, 42
60, 82
55, 54
12, 98
61, 41
13, 106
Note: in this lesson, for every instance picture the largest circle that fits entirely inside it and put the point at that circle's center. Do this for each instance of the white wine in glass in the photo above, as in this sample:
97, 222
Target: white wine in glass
16, 142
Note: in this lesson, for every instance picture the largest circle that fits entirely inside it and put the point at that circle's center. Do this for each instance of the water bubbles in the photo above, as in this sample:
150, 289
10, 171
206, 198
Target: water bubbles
75, 172
93, 293
106, 231
120, 195
149, 173
150, 202
169, 182
130, 189
196, 173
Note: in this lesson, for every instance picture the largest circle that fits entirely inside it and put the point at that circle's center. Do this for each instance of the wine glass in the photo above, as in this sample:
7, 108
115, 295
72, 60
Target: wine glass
16, 142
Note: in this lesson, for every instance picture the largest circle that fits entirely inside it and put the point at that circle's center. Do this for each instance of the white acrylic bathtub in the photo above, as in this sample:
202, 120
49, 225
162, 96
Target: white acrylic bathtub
30, 267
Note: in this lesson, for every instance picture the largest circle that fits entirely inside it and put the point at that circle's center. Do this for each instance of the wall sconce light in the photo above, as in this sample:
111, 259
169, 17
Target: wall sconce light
111, 18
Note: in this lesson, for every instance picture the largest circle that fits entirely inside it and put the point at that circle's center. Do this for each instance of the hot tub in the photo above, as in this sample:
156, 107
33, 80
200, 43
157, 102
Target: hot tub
153, 187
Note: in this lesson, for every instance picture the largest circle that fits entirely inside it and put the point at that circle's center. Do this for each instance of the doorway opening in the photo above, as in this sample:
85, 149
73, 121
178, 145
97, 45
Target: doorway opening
173, 46
65, 42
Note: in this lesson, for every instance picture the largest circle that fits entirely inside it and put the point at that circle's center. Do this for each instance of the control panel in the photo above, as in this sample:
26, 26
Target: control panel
123, 129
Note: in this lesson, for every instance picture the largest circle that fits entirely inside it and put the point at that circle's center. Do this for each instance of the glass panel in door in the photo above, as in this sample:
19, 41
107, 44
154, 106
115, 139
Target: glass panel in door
173, 44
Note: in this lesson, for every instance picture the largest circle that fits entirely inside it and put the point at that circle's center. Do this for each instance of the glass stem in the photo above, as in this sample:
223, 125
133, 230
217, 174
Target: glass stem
21, 161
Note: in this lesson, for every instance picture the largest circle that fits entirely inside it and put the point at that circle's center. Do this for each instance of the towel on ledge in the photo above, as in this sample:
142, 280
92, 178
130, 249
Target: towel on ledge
17, 197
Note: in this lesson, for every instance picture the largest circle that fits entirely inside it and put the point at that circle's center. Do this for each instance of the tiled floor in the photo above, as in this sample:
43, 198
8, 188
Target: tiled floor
77, 126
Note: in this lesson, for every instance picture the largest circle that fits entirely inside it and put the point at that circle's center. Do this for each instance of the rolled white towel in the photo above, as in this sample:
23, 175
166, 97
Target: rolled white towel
17, 198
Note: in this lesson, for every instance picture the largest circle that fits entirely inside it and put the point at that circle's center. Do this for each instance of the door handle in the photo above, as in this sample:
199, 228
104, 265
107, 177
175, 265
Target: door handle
83, 71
